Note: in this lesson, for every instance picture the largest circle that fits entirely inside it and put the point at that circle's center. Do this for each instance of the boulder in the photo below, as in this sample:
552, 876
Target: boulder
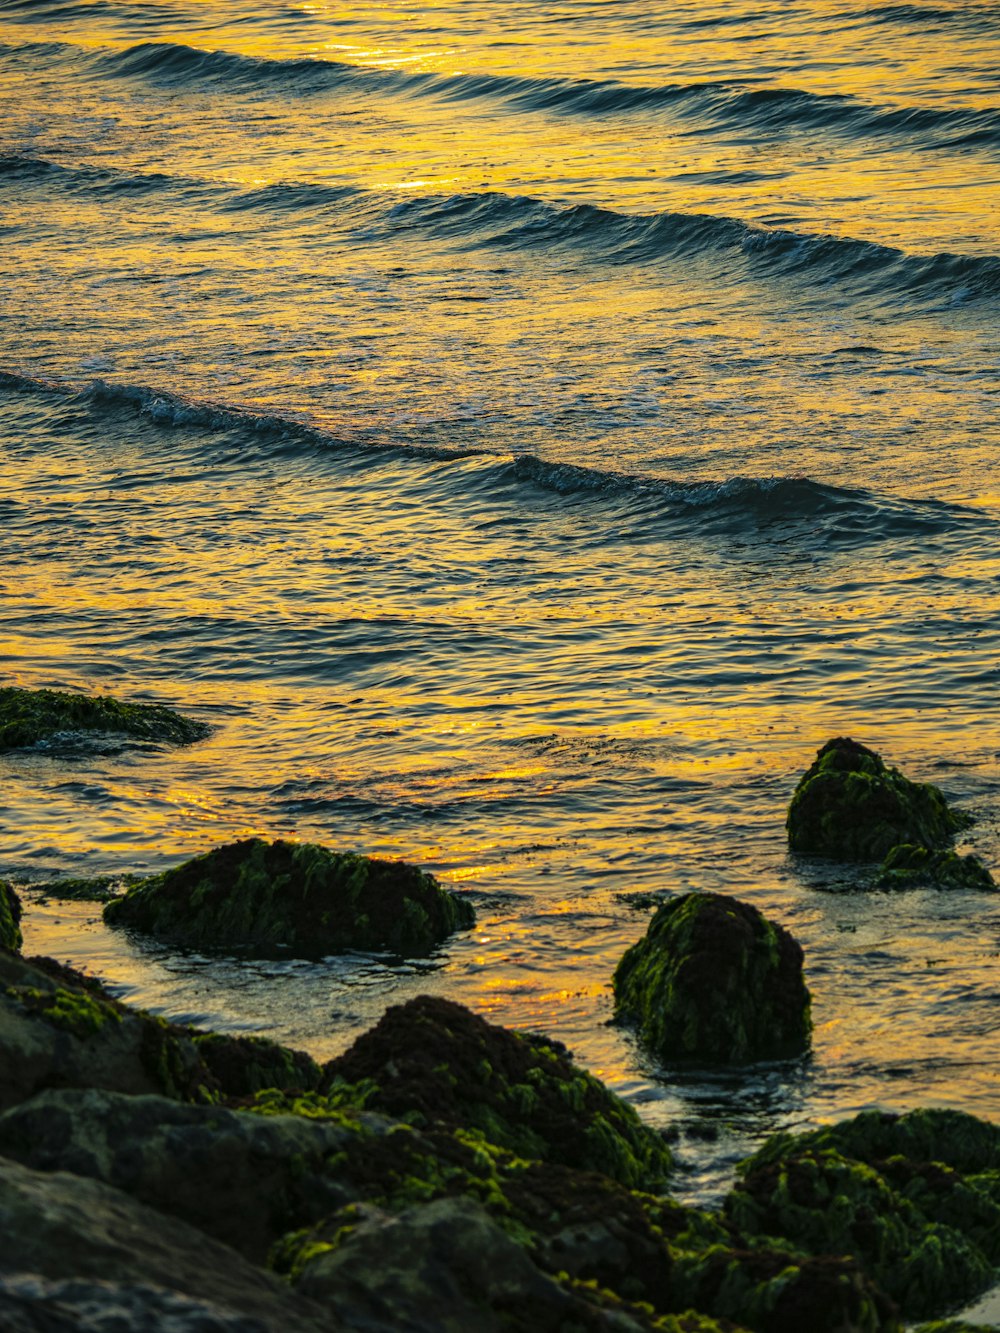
10, 918
849, 806
59, 1029
911, 866
30, 716
263, 897
244, 1179
713, 980
915, 1199
62, 1227
434, 1062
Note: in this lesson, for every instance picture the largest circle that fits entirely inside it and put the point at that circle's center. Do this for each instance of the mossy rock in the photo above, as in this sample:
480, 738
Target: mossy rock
713, 980
10, 918
433, 1062
849, 806
771, 1290
262, 897
955, 1326
911, 866
30, 716
881, 1188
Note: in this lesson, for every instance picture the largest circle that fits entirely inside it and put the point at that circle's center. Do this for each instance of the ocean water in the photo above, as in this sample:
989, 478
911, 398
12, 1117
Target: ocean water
525, 433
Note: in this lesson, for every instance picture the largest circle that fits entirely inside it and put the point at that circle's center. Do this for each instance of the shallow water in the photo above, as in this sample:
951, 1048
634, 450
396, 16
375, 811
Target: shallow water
525, 433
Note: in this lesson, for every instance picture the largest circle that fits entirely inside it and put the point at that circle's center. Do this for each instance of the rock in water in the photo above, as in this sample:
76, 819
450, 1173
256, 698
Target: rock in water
30, 716
850, 807
262, 896
910, 866
713, 980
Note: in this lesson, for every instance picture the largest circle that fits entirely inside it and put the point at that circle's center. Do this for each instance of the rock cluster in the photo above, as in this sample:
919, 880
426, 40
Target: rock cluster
30, 716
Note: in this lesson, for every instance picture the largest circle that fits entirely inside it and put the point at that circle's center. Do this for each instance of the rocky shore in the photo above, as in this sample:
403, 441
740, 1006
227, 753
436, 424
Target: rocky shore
444, 1174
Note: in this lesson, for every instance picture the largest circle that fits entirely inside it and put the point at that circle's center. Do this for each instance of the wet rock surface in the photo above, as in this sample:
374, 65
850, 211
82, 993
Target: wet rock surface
712, 980
850, 806
913, 867
30, 716
297, 898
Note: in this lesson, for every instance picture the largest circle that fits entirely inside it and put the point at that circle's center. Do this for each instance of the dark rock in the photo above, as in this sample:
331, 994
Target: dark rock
61, 1227
880, 1188
851, 807
773, 1291
447, 1267
33, 1304
713, 980
85, 889
10, 918
262, 897
59, 1029
244, 1179
30, 716
434, 1063
911, 866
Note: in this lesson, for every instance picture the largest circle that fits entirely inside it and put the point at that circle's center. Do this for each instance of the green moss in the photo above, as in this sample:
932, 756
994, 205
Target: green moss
30, 716
426, 1059
89, 889
245, 1065
880, 1188
78, 1012
713, 980
955, 1326
851, 807
10, 918
263, 897
912, 866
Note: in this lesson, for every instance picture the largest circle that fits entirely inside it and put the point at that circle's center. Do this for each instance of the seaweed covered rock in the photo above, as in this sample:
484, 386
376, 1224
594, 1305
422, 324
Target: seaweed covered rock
911, 866
265, 896
851, 807
434, 1062
773, 1291
30, 716
59, 1029
713, 980
881, 1188
10, 918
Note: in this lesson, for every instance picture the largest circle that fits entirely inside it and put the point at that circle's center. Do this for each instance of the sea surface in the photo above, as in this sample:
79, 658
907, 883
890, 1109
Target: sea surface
525, 432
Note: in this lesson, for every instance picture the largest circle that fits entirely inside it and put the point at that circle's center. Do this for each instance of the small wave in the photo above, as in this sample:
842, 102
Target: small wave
724, 105
799, 509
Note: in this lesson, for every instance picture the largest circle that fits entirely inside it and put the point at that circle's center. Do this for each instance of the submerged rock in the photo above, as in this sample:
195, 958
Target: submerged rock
30, 716
713, 980
911, 866
262, 896
881, 1188
849, 806
435, 1063
10, 918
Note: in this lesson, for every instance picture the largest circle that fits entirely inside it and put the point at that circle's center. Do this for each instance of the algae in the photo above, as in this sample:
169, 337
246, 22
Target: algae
435, 1063
851, 807
713, 980
262, 897
10, 918
30, 716
912, 866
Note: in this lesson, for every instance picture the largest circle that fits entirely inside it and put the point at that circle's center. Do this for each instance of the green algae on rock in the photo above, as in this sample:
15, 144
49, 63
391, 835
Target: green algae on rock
714, 980
261, 897
881, 1188
10, 918
912, 866
850, 807
431, 1061
30, 716
84, 889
